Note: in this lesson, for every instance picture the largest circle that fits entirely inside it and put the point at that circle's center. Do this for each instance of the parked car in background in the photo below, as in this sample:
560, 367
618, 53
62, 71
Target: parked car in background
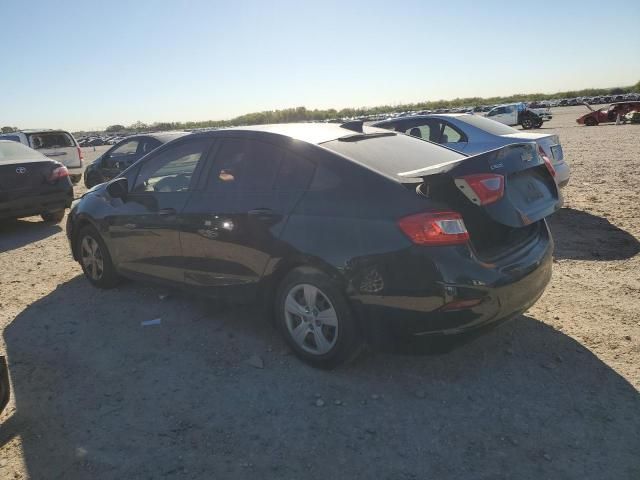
346, 232
32, 184
124, 154
57, 144
516, 114
541, 110
473, 134
607, 114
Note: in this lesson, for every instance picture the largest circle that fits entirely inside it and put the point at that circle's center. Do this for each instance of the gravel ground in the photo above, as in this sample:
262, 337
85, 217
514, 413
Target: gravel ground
552, 394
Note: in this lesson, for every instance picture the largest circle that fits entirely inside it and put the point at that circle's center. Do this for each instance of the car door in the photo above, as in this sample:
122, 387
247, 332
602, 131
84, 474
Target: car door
144, 229
500, 114
232, 227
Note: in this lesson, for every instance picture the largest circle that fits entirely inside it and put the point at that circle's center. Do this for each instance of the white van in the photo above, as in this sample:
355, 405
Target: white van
56, 144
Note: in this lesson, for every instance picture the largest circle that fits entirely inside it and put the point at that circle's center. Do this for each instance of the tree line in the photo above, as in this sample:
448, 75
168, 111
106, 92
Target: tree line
302, 114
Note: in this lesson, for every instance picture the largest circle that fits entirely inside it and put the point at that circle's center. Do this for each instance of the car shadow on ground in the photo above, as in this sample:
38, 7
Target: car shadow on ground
580, 235
18, 233
98, 395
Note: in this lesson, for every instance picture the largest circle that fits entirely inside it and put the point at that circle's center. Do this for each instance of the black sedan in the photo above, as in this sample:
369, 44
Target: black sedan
348, 233
32, 184
124, 154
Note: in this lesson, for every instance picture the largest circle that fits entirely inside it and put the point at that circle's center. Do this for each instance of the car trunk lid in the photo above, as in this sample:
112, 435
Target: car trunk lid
529, 195
549, 143
20, 178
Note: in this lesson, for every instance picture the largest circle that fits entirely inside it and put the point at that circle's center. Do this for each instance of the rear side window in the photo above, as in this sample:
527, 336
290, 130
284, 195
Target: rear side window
245, 165
50, 140
393, 154
294, 174
451, 135
13, 138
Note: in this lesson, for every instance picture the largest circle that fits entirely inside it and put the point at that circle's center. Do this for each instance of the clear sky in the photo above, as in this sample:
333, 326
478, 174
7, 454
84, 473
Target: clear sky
90, 64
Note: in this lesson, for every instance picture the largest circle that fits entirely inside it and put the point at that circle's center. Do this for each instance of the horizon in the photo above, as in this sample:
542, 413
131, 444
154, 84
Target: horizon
262, 58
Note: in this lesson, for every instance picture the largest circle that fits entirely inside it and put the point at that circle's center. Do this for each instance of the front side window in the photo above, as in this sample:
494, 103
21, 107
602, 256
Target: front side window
171, 170
127, 148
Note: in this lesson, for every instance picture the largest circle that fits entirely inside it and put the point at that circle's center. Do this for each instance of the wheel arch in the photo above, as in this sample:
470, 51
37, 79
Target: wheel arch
78, 225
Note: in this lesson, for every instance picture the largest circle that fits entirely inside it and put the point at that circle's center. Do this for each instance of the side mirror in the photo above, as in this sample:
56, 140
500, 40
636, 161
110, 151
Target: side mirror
118, 188
5, 386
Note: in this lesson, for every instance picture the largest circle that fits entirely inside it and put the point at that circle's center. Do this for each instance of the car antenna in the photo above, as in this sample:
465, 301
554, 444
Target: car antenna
355, 125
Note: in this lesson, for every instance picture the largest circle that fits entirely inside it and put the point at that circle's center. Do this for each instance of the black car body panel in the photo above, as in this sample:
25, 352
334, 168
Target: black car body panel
25, 189
5, 386
339, 214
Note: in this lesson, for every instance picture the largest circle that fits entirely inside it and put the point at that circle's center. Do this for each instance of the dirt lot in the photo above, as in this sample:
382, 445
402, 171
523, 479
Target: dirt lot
550, 395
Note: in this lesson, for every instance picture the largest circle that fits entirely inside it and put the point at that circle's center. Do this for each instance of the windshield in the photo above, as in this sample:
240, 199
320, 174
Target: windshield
12, 151
490, 126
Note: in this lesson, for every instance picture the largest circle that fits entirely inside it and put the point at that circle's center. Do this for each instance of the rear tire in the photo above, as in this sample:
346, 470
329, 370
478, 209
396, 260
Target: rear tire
94, 258
316, 320
53, 217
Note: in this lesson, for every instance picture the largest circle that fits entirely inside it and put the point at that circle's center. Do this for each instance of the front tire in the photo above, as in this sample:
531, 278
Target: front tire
591, 122
95, 259
315, 319
53, 217
527, 124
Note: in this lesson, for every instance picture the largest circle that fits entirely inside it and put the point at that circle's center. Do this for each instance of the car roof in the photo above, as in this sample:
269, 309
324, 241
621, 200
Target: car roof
162, 136
41, 130
315, 133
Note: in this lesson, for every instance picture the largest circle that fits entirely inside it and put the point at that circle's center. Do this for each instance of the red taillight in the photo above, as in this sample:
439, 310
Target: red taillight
58, 173
482, 188
80, 155
547, 162
435, 228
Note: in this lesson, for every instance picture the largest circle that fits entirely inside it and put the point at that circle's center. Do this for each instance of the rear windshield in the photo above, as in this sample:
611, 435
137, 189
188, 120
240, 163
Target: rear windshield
13, 151
50, 140
488, 125
13, 138
393, 154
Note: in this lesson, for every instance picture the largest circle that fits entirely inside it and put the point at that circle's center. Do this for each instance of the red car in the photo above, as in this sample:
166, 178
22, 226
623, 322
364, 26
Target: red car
607, 114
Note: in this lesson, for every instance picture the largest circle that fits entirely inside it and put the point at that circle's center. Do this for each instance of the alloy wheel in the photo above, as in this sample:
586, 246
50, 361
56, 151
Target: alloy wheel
311, 319
92, 259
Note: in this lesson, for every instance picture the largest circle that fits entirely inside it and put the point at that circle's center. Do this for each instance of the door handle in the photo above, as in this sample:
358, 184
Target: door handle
261, 212
165, 212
